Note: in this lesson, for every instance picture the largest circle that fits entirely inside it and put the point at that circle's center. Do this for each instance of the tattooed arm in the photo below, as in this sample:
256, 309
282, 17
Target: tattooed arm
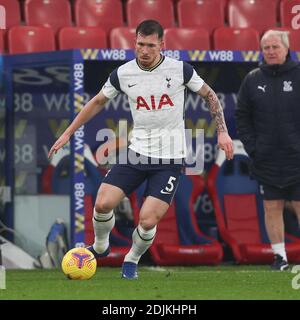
214, 105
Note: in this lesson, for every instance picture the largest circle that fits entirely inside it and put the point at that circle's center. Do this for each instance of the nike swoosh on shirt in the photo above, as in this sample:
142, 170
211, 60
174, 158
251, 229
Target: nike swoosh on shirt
132, 85
164, 192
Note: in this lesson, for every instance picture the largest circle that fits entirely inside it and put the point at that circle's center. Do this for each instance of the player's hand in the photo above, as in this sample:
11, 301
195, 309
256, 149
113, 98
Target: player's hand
60, 142
225, 143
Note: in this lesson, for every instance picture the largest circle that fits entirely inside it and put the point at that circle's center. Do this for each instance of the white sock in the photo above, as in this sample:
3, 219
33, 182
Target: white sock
141, 241
279, 248
103, 224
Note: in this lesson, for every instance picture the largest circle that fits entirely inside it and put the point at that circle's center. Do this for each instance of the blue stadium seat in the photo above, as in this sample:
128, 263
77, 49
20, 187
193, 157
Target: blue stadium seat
56, 177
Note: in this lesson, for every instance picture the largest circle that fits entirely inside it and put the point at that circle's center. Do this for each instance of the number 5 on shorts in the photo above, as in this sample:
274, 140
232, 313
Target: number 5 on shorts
170, 184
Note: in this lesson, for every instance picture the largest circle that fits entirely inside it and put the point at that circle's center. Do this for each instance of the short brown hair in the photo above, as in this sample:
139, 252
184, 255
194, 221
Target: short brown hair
149, 27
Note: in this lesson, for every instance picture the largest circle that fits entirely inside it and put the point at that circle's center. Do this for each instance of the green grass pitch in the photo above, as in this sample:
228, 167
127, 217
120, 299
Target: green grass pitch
178, 283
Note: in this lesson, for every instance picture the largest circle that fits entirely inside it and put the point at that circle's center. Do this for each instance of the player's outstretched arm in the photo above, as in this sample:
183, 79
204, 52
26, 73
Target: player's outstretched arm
214, 105
94, 106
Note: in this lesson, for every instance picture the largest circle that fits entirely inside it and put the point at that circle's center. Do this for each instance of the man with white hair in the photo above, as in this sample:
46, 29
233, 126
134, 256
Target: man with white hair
268, 124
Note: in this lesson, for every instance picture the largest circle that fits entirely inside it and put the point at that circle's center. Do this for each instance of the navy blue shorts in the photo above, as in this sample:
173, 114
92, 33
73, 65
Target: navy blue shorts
161, 179
290, 193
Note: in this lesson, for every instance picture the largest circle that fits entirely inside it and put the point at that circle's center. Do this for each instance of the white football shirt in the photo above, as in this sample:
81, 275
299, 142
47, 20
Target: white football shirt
156, 98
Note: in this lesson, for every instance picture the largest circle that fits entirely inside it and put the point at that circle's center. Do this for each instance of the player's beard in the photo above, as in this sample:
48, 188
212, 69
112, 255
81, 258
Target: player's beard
146, 61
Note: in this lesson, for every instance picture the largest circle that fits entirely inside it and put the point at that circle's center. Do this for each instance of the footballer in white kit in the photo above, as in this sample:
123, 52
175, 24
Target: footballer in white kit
155, 86
156, 97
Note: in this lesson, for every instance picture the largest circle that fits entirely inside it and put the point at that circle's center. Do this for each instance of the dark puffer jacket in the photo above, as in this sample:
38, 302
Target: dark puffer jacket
268, 122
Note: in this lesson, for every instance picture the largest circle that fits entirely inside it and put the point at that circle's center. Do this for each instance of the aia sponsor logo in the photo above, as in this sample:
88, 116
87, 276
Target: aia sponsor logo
165, 100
